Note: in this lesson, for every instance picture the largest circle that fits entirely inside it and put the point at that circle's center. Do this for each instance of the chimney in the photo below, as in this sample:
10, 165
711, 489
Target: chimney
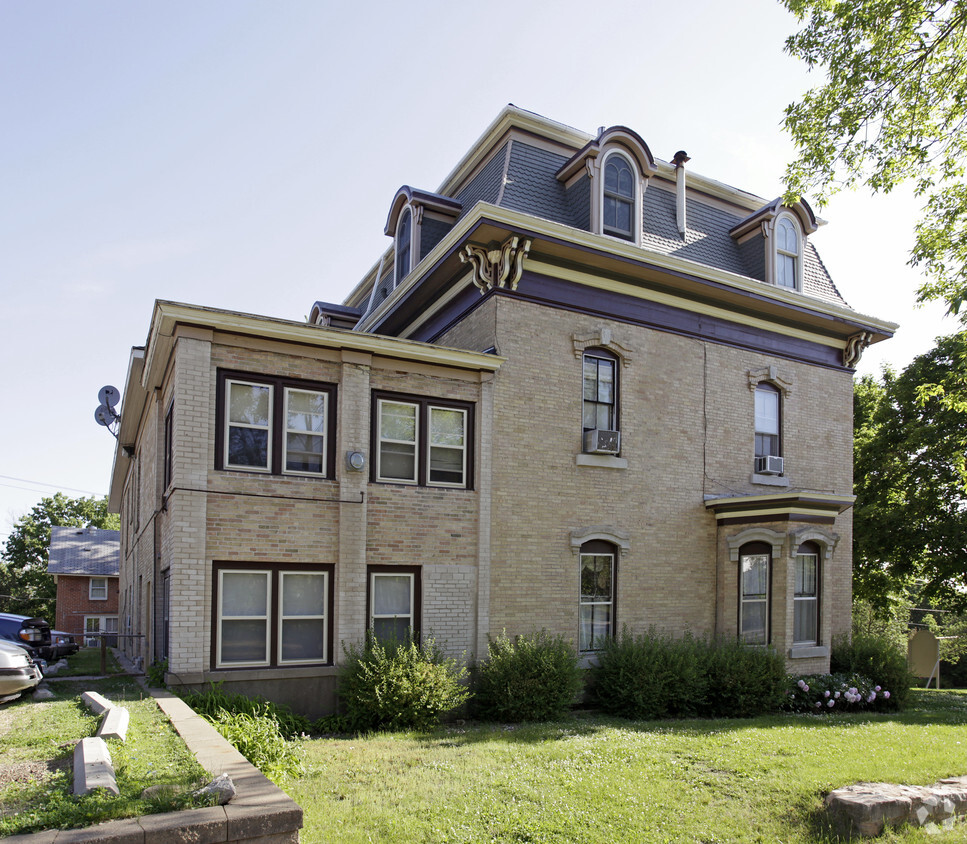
679, 161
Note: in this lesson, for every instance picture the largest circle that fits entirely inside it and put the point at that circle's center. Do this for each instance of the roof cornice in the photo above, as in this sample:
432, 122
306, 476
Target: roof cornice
537, 227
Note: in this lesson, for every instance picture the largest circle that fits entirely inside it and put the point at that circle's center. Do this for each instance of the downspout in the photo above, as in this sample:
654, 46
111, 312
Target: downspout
679, 161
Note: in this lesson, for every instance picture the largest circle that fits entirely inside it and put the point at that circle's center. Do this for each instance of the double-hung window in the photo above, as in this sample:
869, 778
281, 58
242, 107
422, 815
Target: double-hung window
394, 603
597, 576
422, 441
600, 391
806, 598
754, 585
97, 589
619, 197
788, 255
275, 425
272, 615
768, 424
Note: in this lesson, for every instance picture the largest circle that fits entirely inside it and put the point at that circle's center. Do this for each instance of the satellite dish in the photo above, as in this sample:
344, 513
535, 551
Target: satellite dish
109, 396
104, 415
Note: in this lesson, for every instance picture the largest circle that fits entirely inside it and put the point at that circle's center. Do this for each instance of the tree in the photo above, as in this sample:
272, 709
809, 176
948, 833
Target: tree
893, 109
26, 587
910, 442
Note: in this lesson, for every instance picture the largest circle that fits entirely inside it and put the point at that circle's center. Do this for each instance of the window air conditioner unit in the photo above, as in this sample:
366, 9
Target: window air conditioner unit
602, 442
768, 465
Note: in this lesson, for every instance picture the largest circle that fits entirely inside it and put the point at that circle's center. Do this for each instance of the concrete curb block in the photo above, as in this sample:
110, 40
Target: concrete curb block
93, 767
261, 812
114, 724
98, 704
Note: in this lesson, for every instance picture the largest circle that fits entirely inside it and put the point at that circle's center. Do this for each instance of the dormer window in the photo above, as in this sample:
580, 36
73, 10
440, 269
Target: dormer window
788, 264
404, 243
619, 197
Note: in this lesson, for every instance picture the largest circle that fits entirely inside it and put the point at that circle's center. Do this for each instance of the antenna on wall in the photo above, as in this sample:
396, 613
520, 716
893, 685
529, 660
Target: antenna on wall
105, 414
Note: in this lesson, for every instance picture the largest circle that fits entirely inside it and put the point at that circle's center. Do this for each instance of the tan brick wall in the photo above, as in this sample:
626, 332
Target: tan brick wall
687, 425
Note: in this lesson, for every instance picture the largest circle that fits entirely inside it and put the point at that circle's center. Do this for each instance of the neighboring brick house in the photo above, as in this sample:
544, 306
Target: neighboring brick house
582, 389
84, 564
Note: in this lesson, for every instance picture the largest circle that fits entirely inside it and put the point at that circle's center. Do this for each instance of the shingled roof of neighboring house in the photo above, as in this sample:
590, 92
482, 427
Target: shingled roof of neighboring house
84, 551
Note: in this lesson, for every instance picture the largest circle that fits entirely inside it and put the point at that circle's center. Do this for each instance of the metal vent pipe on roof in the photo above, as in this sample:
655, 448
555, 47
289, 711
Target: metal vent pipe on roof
679, 161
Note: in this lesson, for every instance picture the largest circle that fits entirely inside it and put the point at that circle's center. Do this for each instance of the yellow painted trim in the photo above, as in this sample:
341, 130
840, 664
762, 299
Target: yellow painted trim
778, 511
600, 283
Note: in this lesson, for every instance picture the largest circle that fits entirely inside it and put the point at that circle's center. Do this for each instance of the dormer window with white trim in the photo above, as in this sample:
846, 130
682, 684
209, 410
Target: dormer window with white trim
788, 260
619, 201
404, 245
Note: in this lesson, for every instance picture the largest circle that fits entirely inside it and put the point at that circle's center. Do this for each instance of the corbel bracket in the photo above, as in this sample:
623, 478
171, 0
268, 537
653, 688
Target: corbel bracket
497, 264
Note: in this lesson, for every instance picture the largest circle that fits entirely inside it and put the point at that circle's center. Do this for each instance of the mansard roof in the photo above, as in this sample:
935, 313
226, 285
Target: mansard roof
532, 169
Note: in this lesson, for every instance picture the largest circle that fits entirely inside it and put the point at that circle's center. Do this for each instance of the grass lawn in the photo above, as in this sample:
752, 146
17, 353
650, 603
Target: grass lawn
36, 748
87, 661
597, 779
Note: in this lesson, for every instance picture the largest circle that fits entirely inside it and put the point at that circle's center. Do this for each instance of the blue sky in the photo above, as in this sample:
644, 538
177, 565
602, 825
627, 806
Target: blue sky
243, 155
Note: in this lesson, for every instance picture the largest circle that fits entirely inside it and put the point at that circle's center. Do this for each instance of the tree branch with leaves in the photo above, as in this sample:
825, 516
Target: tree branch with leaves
893, 109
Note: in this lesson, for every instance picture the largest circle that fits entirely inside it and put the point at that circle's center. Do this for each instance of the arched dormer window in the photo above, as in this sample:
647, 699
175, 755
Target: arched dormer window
618, 165
788, 258
404, 245
619, 205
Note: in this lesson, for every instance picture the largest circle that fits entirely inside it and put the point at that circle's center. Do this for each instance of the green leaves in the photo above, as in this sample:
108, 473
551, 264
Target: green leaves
910, 478
893, 108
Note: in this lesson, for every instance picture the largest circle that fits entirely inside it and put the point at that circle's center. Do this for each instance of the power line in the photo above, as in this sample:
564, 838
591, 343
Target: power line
41, 483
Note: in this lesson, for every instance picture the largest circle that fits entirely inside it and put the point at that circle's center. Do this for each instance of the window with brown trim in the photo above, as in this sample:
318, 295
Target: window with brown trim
806, 597
275, 425
394, 602
597, 577
422, 441
271, 615
755, 583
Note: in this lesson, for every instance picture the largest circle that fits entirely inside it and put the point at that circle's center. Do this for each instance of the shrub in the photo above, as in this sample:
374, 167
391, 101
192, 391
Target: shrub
657, 676
155, 674
398, 685
527, 678
650, 676
743, 680
821, 693
258, 739
214, 700
878, 658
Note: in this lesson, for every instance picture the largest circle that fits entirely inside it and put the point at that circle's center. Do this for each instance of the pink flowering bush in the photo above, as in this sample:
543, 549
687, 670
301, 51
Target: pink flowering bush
819, 693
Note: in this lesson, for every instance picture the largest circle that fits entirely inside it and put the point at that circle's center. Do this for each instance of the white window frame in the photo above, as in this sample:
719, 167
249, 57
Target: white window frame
430, 446
221, 617
320, 616
766, 600
801, 601
91, 590
91, 637
634, 235
779, 253
380, 439
227, 399
582, 603
324, 435
373, 578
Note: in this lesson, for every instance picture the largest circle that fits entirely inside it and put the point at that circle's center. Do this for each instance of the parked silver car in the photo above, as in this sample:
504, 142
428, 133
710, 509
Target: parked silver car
18, 671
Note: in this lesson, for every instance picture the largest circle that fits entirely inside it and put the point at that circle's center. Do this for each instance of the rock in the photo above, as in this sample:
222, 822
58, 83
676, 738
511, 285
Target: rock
222, 787
867, 808
43, 694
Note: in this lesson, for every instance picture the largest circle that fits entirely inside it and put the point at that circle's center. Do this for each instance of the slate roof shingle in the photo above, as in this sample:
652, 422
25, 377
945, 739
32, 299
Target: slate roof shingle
84, 551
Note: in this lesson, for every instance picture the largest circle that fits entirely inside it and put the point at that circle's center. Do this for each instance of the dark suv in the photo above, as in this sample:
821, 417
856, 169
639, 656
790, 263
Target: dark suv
32, 634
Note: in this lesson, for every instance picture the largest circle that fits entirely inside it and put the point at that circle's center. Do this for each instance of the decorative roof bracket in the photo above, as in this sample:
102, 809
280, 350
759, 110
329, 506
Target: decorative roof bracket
497, 265
855, 346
